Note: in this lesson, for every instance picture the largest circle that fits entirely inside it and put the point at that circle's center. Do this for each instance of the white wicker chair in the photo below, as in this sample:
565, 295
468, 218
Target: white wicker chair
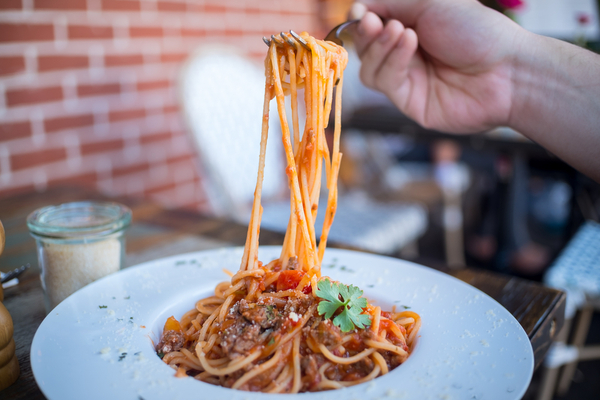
222, 97
577, 272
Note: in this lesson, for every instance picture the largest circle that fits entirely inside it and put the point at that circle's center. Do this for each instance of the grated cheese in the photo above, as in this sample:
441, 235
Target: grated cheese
294, 317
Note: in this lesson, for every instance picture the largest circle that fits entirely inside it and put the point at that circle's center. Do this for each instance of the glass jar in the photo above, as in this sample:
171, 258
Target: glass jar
77, 243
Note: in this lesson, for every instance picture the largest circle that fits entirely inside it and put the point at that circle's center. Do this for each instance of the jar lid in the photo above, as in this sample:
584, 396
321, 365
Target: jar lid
79, 219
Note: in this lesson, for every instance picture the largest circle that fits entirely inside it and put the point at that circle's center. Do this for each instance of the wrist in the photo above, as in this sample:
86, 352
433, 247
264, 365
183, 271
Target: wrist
531, 68
548, 78
555, 92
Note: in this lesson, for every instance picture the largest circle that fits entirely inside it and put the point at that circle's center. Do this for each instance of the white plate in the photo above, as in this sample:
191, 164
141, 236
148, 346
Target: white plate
470, 347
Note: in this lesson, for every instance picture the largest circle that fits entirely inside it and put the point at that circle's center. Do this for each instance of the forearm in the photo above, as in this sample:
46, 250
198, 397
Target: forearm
556, 100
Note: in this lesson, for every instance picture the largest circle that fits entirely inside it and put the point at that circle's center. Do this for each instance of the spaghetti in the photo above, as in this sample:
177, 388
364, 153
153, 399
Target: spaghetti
270, 328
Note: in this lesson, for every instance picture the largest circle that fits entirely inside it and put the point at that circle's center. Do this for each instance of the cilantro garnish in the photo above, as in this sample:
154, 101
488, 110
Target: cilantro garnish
272, 341
102, 306
350, 301
161, 355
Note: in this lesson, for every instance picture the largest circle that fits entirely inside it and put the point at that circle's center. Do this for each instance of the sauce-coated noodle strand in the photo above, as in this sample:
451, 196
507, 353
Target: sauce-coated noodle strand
342, 360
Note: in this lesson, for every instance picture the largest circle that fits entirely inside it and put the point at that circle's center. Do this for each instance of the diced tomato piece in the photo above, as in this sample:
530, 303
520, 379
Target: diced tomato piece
289, 279
172, 325
384, 324
307, 289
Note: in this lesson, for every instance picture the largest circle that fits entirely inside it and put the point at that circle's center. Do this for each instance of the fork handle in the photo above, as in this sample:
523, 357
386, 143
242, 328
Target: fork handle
334, 34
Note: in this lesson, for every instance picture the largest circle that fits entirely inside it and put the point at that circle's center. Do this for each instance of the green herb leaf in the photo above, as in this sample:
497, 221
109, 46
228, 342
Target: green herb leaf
330, 294
272, 341
361, 321
270, 314
102, 306
344, 321
351, 302
160, 355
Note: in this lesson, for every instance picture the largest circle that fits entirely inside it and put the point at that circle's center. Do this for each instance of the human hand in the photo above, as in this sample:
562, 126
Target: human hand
445, 63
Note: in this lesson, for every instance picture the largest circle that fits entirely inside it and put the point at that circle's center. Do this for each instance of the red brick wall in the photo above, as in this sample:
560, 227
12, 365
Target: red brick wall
88, 88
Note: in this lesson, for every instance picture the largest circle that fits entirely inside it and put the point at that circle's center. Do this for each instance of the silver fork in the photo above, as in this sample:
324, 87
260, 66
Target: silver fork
332, 36
15, 273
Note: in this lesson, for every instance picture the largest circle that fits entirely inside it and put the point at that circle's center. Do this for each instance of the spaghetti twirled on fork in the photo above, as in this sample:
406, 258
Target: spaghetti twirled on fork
264, 330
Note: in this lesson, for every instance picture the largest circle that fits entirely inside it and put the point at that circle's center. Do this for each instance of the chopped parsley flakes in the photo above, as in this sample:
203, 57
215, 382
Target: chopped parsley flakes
270, 313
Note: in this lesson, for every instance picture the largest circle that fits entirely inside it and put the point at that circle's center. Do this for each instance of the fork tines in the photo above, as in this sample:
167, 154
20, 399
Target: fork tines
285, 38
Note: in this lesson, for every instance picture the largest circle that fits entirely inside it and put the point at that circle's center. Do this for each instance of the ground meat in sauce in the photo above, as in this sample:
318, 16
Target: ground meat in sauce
293, 263
264, 313
350, 372
170, 341
391, 359
327, 333
310, 365
239, 336
299, 305
250, 324
247, 325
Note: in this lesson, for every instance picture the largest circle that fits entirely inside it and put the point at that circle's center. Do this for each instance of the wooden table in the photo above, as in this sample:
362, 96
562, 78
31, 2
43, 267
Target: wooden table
157, 232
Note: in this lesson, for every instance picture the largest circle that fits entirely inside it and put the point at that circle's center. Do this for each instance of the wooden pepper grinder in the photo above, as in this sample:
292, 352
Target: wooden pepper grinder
9, 366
